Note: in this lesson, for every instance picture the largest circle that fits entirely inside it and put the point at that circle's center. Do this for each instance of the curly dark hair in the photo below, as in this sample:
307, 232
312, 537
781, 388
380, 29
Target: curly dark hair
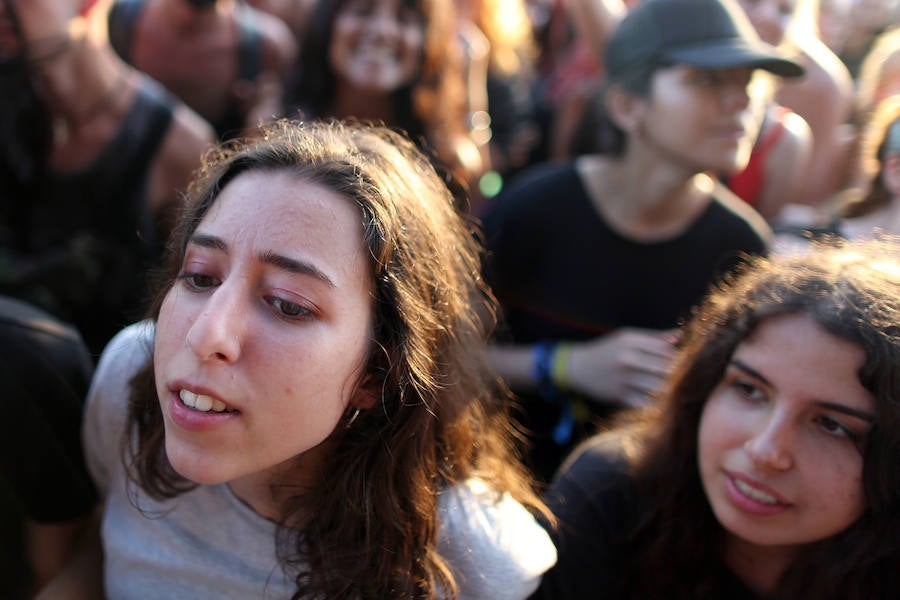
442, 415
852, 290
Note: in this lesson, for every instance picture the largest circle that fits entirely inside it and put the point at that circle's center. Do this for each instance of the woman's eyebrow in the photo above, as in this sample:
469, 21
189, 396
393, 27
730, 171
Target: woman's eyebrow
841, 408
209, 241
750, 371
293, 265
853, 412
279, 261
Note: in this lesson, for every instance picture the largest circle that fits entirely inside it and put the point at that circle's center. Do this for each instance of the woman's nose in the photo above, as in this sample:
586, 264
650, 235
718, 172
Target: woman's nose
770, 446
217, 332
383, 22
736, 95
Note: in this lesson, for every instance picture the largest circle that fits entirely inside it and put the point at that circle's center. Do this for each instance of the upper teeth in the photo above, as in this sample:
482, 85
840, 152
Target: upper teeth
754, 493
201, 402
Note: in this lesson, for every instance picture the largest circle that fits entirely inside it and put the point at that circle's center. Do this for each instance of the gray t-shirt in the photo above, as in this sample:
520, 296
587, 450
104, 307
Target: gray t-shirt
207, 543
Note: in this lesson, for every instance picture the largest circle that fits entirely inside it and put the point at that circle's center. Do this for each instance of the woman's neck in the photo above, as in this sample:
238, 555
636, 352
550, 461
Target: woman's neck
75, 79
268, 491
760, 567
644, 203
351, 102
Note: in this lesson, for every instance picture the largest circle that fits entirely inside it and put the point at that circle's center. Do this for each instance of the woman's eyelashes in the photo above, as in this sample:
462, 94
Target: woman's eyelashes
748, 389
288, 309
198, 281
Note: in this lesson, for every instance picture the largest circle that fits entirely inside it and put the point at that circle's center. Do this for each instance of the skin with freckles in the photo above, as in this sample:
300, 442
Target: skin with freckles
271, 314
779, 437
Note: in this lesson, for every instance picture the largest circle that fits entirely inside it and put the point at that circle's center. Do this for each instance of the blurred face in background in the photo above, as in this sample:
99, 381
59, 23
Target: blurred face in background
770, 18
703, 119
377, 45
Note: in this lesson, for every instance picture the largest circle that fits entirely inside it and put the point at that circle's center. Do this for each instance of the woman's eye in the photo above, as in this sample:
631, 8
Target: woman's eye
198, 281
288, 309
833, 427
748, 390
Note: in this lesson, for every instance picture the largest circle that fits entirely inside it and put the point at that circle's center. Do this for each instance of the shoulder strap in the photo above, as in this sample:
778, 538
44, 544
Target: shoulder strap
122, 18
249, 44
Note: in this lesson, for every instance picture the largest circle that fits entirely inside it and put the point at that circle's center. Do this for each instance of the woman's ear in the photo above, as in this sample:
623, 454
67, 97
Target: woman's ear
624, 108
368, 393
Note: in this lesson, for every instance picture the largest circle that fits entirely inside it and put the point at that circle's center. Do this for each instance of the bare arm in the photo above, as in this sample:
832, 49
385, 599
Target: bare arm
786, 168
624, 366
824, 98
179, 155
82, 576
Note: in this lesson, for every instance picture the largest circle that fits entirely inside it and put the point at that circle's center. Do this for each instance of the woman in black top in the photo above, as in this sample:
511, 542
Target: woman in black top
769, 468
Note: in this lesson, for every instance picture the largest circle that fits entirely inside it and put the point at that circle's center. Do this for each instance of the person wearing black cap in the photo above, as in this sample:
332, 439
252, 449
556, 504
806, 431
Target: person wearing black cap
596, 261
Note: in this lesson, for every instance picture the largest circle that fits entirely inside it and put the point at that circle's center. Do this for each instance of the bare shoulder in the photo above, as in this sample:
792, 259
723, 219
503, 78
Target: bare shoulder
795, 142
278, 41
181, 152
827, 79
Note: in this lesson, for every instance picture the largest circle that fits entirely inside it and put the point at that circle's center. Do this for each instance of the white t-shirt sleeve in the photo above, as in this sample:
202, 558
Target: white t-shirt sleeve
106, 407
495, 547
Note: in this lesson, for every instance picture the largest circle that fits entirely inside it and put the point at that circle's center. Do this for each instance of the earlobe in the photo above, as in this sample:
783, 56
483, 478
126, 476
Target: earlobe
368, 394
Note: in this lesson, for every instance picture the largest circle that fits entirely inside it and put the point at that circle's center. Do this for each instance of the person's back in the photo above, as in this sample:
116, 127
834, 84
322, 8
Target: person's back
46, 369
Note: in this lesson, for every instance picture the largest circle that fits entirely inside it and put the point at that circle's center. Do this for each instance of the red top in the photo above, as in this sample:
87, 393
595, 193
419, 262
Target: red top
748, 183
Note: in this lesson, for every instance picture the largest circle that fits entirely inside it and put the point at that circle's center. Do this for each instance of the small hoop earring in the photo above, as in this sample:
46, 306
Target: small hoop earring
352, 418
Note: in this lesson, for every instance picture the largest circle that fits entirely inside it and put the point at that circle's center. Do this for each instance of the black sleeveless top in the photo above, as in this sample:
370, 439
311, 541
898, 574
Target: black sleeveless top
80, 245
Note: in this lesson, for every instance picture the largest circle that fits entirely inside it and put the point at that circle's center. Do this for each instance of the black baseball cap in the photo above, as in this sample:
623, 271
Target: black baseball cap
707, 34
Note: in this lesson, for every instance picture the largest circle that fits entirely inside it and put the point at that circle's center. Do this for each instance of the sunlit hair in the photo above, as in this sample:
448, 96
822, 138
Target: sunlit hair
852, 290
430, 109
874, 194
439, 419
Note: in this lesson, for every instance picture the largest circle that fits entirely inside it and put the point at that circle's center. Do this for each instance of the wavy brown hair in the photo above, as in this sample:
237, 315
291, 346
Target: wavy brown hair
852, 290
441, 418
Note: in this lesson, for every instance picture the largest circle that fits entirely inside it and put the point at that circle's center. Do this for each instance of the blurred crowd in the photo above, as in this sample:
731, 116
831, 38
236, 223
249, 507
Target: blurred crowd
108, 107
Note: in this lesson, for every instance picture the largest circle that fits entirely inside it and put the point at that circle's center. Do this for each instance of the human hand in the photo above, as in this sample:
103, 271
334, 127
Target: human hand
625, 366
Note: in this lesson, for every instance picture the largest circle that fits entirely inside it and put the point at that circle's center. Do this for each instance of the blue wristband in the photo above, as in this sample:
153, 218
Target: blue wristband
542, 369
542, 374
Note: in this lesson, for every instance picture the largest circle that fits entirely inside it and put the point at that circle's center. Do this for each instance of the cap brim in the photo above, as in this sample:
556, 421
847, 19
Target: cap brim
725, 54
